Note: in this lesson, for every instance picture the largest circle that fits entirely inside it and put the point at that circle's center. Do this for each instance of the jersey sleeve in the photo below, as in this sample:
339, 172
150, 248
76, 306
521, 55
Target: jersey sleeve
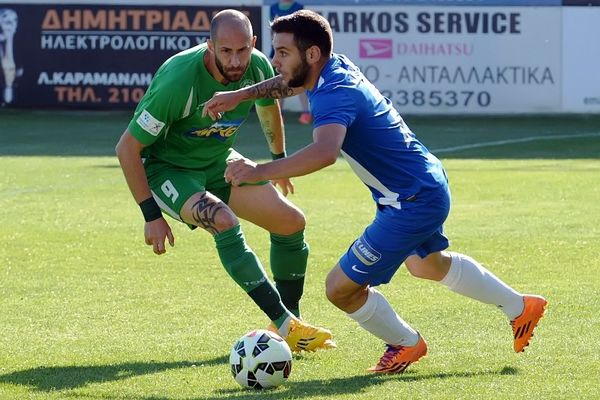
333, 106
264, 71
162, 104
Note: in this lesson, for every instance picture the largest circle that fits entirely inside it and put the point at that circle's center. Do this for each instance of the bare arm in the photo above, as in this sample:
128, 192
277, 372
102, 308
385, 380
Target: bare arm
273, 88
128, 152
324, 150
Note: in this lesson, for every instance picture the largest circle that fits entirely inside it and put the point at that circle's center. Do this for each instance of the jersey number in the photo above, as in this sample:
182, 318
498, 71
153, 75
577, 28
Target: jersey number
169, 190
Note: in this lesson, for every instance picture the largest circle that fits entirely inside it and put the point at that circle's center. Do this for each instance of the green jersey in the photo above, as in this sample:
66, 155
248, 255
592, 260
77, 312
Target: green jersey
168, 119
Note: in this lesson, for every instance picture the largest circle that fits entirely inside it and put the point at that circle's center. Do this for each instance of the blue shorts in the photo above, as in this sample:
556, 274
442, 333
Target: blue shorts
396, 234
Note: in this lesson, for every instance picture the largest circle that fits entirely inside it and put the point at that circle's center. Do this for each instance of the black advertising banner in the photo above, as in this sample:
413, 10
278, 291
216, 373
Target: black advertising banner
584, 3
94, 56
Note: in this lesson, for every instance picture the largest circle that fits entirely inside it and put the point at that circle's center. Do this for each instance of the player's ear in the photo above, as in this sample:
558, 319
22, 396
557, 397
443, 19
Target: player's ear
253, 41
211, 45
313, 54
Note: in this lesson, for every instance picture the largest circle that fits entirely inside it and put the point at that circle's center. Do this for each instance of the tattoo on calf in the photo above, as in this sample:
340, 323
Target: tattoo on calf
268, 133
204, 212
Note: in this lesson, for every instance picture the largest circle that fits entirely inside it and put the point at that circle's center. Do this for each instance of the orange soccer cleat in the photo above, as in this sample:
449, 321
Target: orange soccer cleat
524, 324
397, 358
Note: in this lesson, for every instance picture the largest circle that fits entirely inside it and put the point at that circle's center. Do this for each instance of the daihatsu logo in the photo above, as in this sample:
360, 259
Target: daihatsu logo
376, 48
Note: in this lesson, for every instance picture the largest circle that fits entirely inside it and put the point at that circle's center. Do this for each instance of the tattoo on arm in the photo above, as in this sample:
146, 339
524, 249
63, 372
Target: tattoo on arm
271, 89
204, 212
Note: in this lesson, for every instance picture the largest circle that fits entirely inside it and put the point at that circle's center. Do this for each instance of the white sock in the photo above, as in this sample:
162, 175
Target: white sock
379, 318
469, 278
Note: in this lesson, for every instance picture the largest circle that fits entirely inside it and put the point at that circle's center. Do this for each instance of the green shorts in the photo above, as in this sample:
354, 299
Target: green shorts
172, 186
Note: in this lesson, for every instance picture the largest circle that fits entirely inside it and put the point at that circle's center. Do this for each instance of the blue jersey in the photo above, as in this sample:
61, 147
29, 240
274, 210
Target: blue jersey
379, 146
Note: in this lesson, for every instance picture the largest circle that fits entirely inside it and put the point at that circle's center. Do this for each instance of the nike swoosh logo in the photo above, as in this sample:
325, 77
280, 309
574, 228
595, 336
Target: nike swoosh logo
358, 270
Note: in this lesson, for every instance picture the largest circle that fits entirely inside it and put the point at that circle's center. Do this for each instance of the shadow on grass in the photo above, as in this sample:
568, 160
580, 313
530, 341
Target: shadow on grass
48, 379
75, 376
348, 385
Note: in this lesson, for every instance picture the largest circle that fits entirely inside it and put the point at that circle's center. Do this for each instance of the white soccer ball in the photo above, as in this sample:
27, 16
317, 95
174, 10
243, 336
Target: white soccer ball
260, 359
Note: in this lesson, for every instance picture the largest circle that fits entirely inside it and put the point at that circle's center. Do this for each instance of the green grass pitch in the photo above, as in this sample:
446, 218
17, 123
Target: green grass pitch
87, 311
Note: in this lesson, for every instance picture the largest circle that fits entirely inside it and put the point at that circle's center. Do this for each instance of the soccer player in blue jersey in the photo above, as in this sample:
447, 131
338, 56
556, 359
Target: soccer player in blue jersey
408, 185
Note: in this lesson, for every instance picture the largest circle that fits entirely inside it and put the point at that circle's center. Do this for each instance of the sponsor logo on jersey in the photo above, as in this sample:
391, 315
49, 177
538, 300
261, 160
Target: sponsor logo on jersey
150, 124
375, 48
364, 252
220, 130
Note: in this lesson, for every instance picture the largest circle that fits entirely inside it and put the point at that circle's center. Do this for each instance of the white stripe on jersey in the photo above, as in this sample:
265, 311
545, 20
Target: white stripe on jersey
165, 207
188, 105
389, 198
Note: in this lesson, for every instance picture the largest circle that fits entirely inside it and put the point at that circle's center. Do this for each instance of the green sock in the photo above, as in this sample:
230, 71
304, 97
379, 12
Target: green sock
243, 266
289, 256
266, 297
239, 260
279, 323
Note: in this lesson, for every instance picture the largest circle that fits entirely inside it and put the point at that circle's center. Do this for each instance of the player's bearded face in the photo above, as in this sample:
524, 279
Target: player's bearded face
299, 74
232, 48
233, 72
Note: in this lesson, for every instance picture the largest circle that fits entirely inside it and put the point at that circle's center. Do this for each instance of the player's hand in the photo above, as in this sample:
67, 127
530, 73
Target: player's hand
241, 171
219, 103
156, 232
285, 185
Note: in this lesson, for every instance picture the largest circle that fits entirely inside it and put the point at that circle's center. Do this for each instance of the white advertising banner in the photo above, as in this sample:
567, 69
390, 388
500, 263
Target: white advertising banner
581, 59
453, 60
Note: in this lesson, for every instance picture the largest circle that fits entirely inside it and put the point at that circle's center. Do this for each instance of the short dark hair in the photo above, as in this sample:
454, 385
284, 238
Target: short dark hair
309, 29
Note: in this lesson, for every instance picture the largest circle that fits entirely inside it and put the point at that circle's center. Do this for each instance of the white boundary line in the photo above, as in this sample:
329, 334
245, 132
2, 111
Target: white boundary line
510, 141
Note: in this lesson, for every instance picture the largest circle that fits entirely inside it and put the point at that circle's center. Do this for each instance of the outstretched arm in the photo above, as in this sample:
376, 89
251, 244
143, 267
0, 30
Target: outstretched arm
274, 88
324, 150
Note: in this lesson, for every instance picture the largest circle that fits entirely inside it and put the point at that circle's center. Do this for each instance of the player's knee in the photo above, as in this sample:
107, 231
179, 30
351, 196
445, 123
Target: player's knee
297, 220
344, 299
332, 294
224, 221
335, 293
416, 267
433, 267
206, 211
293, 222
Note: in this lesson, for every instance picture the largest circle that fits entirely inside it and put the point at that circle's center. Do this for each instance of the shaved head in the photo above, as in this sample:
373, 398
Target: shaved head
230, 20
230, 45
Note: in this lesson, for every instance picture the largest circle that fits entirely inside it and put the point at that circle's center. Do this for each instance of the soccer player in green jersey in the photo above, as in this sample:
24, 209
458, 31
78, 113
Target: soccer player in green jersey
174, 159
